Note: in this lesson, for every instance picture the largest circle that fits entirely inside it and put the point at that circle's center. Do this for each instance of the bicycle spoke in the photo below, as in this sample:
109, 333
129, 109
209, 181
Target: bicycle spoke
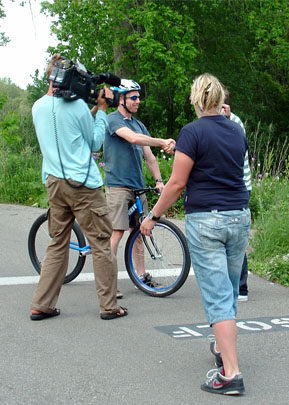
163, 258
39, 240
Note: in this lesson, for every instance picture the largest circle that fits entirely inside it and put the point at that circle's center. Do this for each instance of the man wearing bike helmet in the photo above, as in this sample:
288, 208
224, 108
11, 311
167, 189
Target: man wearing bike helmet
126, 143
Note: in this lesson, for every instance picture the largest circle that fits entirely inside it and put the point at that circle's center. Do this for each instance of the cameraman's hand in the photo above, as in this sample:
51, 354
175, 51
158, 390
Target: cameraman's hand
102, 103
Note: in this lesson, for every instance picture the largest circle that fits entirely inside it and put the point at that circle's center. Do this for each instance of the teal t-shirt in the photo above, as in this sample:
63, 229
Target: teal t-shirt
123, 160
77, 132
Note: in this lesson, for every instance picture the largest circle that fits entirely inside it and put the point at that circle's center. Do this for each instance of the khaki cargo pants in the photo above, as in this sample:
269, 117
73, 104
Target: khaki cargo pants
89, 208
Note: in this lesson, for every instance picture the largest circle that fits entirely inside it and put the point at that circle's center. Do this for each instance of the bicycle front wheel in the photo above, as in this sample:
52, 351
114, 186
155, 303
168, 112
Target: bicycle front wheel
158, 264
39, 239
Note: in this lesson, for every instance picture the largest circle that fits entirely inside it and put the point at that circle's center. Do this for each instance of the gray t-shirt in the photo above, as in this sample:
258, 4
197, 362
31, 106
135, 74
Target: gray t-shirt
123, 160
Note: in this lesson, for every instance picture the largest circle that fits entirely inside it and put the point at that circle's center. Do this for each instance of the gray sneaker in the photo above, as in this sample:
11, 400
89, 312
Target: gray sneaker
147, 279
217, 383
218, 356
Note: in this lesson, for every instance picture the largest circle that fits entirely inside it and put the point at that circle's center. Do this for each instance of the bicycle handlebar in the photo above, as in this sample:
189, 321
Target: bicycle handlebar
140, 191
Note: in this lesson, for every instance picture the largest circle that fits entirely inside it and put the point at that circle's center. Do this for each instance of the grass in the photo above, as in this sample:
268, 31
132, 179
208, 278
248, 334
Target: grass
269, 204
270, 258
20, 178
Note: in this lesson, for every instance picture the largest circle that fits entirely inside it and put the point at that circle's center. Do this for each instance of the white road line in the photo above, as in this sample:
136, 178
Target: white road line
122, 275
34, 279
19, 280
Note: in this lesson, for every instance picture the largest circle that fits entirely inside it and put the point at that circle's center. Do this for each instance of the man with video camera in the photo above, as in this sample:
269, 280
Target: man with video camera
67, 133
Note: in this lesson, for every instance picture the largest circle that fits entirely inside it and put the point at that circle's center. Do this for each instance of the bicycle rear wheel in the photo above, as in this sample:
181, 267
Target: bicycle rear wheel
39, 239
164, 257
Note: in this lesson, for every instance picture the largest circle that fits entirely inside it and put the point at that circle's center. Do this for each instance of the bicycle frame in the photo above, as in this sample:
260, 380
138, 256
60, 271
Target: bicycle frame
158, 264
84, 251
137, 206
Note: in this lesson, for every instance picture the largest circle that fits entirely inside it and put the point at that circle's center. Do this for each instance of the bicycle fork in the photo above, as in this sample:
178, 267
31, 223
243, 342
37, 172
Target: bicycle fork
158, 254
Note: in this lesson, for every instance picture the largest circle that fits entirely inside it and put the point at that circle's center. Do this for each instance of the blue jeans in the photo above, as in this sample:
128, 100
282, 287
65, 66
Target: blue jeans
243, 288
217, 241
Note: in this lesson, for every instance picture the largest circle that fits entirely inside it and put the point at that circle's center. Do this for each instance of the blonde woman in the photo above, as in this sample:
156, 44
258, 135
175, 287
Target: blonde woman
208, 164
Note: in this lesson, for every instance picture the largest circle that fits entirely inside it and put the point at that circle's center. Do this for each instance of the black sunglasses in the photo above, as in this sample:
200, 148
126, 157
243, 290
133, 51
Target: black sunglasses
133, 97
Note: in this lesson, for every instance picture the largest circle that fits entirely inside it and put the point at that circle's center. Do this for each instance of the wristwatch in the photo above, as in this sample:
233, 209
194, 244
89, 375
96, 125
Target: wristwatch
159, 180
152, 217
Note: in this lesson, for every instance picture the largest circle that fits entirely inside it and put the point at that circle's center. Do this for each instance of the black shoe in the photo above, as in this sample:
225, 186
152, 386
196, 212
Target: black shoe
219, 384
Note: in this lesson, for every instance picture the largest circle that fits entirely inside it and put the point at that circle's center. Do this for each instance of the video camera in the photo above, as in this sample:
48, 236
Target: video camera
72, 81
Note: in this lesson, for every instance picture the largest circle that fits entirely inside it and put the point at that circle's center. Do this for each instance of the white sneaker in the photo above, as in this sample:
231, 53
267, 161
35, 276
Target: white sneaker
242, 298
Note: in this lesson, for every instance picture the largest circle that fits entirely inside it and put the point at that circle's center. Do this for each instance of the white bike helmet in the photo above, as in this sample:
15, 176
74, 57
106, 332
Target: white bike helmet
127, 85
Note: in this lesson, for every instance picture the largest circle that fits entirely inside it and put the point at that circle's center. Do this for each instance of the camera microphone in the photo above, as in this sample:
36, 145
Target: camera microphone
108, 78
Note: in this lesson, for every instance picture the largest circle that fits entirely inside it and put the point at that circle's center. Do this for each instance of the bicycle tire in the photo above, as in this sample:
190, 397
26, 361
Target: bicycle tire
171, 265
38, 240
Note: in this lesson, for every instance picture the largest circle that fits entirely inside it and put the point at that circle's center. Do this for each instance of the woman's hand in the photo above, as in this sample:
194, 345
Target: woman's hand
147, 226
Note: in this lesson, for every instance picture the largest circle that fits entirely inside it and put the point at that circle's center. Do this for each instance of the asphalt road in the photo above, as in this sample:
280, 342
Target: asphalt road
158, 354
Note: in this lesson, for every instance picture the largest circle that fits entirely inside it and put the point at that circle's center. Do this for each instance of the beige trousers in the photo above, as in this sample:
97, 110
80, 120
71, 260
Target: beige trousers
89, 208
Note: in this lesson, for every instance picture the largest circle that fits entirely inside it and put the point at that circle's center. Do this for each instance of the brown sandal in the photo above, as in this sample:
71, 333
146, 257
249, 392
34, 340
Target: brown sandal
113, 315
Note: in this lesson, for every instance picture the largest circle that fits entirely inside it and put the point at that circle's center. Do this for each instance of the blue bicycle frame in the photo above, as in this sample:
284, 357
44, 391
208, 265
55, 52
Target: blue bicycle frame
137, 206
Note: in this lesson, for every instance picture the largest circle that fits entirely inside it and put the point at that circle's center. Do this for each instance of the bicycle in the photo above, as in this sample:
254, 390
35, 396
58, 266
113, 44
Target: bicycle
163, 256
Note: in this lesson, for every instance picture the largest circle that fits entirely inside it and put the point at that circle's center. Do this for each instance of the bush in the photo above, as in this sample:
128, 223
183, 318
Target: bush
272, 224
275, 270
165, 164
20, 178
270, 243
265, 192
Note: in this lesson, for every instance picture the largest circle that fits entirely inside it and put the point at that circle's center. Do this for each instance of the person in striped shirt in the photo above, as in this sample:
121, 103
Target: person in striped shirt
226, 110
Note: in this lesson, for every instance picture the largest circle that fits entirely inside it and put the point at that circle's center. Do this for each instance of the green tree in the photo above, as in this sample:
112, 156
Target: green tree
141, 39
9, 125
163, 44
3, 99
3, 38
38, 89
16, 98
9, 129
17, 130
245, 44
269, 21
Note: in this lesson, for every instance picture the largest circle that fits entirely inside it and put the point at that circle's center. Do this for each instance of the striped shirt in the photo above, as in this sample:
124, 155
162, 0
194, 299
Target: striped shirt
247, 171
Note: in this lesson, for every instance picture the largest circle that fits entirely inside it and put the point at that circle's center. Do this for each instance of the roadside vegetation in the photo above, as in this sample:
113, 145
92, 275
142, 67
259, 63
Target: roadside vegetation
162, 45
20, 183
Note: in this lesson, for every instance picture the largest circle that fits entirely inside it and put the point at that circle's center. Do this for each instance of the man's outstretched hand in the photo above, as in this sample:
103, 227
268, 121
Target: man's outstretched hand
169, 146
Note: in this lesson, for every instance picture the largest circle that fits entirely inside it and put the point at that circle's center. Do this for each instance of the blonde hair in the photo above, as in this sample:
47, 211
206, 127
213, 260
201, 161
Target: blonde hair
207, 92
55, 58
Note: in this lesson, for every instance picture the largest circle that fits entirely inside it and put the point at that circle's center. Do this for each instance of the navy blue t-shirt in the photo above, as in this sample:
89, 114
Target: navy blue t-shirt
217, 146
